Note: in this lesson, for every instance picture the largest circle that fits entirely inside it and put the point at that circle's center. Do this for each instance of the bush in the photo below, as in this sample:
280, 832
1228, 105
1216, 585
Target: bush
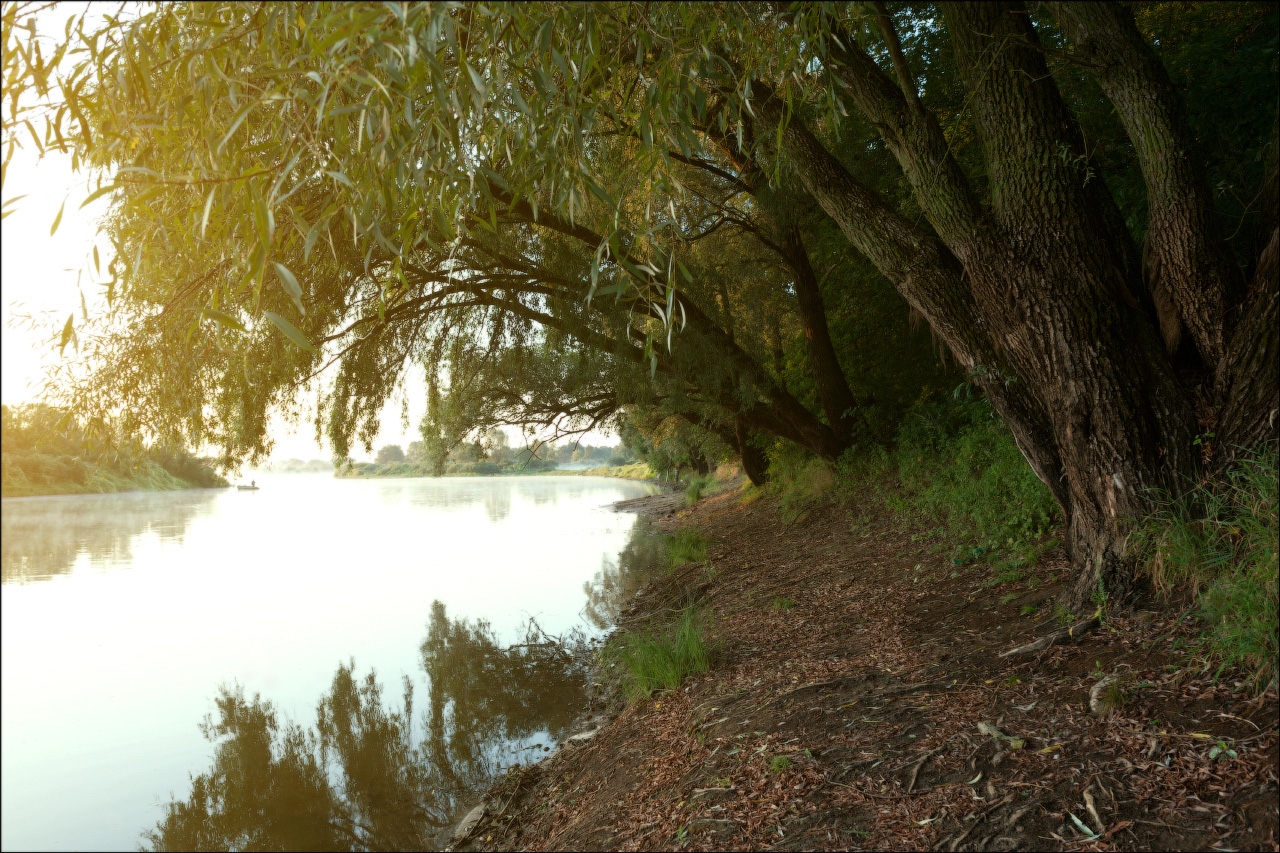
654, 661
1219, 542
698, 487
686, 545
960, 467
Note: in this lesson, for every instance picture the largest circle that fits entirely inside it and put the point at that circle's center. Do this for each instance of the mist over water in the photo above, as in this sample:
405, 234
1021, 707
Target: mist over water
127, 620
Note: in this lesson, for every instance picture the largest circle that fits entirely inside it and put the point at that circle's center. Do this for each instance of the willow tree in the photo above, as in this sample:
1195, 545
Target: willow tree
242, 141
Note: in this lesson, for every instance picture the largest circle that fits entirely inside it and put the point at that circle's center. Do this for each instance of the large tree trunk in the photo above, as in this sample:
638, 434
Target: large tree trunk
1251, 373
833, 389
1049, 276
1039, 292
1187, 262
754, 463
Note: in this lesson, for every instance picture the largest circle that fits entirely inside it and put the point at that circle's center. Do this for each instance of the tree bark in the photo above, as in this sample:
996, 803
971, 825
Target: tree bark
1050, 282
1039, 287
754, 463
833, 389
1251, 374
1186, 259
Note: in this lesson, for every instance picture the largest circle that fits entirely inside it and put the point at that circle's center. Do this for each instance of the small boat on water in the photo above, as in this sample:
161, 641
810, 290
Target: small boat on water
252, 487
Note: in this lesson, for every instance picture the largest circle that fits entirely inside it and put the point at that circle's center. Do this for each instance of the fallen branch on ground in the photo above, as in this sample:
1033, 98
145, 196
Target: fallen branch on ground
1074, 632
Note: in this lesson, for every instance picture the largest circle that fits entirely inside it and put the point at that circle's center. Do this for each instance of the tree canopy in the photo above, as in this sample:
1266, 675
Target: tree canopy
721, 214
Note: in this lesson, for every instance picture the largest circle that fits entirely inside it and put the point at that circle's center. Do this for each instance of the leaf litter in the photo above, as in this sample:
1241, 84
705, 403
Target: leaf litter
900, 726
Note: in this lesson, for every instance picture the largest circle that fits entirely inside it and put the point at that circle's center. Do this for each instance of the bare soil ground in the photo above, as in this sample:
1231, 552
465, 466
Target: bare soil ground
842, 711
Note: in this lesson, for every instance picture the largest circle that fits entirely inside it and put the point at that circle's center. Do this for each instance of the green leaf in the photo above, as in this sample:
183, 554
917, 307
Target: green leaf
235, 125
290, 286
290, 331
57, 220
208, 205
476, 79
68, 333
223, 318
341, 178
97, 194
312, 236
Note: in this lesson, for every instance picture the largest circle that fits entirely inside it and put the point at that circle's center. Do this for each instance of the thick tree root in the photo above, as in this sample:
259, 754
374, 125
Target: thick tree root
1077, 630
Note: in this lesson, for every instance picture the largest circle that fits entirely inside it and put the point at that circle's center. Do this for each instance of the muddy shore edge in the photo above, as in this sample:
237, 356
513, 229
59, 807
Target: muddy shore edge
857, 699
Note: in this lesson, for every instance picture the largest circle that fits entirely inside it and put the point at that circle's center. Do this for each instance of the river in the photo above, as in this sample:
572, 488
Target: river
129, 619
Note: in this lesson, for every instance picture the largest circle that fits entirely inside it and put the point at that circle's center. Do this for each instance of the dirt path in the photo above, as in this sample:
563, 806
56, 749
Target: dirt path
843, 707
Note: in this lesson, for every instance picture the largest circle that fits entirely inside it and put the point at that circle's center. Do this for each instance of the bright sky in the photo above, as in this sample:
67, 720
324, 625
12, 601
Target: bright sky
42, 277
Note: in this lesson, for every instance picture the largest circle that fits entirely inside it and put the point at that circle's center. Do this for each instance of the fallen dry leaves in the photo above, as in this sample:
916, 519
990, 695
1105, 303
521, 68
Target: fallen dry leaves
850, 720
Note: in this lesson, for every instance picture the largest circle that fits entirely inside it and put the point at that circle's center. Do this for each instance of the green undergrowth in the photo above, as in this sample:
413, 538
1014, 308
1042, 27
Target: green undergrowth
659, 659
1219, 542
954, 469
49, 452
26, 474
686, 545
702, 487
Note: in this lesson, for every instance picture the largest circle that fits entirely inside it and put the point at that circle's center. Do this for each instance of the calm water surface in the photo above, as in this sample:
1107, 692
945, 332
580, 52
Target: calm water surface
129, 619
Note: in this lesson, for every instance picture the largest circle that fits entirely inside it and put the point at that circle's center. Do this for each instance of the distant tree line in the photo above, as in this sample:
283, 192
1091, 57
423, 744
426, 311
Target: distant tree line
489, 454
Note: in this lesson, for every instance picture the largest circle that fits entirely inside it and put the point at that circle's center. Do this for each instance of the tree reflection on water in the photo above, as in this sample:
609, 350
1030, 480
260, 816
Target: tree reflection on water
617, 582
366, 777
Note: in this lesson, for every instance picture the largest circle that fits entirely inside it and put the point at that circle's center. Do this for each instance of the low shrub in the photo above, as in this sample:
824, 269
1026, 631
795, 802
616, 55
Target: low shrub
700, 487
960, 468
658, 660
686, 545
1219, 542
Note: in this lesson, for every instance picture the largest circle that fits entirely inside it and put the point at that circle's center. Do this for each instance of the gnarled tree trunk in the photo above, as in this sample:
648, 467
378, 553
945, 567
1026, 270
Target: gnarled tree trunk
1038, 288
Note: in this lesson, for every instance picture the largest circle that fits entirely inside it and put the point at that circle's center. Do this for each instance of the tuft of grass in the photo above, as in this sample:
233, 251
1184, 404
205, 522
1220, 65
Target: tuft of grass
700, 487
686, 545
1007, 597
659, 660
779, 763
802, 486
783, 604
1220, 542
1028, 609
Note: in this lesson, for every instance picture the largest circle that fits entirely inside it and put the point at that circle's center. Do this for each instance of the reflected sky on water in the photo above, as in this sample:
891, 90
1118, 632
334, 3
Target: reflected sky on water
128, 619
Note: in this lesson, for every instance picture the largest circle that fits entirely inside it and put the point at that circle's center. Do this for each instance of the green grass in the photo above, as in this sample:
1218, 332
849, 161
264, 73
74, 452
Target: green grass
961, 469
659, 660
700, 487
783, 604
686, 545
1219, 542
27, 474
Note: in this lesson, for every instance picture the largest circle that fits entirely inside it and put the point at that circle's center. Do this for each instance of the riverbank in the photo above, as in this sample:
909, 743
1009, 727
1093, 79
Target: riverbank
36, 475
857, 698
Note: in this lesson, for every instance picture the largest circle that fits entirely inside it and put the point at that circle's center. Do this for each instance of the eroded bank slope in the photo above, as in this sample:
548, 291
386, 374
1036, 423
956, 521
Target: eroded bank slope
857, 700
